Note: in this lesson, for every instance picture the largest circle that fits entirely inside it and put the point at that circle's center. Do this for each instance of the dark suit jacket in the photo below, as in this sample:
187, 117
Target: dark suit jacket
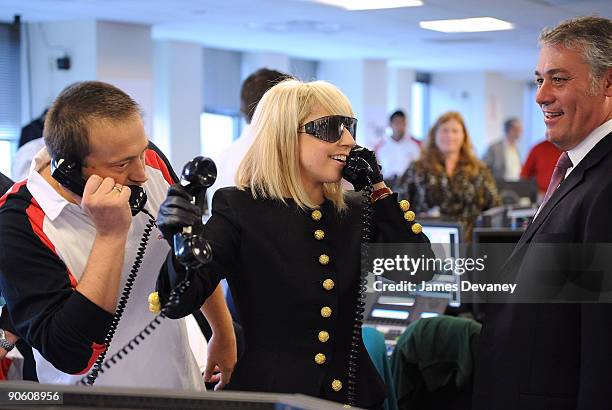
268, 252
554, 356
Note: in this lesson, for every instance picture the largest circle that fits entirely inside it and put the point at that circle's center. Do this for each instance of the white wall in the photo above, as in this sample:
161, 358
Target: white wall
222, 77
117, 53
49, 41
178, 68
252, 61
463, 92
485, 100
399, 83
305, 70
366, 84
125, 59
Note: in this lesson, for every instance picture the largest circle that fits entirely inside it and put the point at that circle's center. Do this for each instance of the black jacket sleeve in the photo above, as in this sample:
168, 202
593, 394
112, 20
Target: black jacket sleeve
222, 233
63, 325
391, 226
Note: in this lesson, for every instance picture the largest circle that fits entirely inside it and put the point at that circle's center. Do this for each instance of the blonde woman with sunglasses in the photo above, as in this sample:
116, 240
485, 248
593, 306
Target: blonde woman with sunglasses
288, 240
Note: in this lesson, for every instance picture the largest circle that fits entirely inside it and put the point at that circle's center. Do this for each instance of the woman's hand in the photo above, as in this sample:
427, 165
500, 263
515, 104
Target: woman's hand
221, 359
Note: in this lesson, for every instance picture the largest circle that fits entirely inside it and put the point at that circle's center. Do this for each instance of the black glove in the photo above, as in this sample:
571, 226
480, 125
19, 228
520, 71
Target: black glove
355, 169
176, 212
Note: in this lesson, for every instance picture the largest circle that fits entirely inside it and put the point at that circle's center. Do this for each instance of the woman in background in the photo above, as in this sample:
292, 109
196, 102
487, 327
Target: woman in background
448, 181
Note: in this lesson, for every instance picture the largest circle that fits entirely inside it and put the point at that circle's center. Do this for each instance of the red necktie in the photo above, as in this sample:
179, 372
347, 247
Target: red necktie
563, 164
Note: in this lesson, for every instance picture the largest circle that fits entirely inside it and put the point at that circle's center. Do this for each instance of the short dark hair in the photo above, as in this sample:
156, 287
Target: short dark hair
66, 129
509, 123
398, 113
255, 86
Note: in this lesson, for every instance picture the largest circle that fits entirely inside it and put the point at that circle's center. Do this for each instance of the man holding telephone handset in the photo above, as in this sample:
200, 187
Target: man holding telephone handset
69, 236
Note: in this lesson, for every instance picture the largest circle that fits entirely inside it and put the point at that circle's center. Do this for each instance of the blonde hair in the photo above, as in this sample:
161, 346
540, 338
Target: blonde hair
432, 158
271, 167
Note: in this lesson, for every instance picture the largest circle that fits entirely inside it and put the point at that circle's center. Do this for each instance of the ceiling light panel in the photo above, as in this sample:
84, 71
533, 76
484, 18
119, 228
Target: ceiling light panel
354, 5
469, 25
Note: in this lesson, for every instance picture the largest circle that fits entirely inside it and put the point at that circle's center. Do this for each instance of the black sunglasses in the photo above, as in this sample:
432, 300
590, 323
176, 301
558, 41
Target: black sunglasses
330, 128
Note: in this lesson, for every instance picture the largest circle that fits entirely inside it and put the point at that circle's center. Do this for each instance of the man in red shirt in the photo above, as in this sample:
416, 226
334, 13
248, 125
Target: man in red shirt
540, 164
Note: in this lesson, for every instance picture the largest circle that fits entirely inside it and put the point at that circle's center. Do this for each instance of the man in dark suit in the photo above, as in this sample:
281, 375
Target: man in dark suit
557, 356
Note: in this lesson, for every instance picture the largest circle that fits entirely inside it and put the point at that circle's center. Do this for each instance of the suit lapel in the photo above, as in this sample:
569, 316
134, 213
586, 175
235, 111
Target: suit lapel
599, 151
566, 186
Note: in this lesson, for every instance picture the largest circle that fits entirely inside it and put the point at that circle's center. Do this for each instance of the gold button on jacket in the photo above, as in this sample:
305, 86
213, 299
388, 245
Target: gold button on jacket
409, 216
320, 358
323, 259
319, 235
404, 205
328, 284
268, 252
336, 385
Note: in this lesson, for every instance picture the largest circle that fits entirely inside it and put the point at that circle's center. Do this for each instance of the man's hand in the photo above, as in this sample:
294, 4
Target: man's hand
176, 212
107, 205
221, 359
11, 338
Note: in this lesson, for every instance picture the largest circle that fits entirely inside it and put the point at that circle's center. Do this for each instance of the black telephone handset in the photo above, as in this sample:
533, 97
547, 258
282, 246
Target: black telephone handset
68, 174
357, 169
190, 247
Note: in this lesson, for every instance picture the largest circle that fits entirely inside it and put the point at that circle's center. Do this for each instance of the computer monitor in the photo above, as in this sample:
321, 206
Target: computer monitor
444, 233
445, 238
492, 218
391, 314
523, 192
497, 235
496, 243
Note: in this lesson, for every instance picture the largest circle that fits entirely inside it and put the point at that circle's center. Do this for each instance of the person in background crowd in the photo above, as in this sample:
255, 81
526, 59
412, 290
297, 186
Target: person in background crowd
253, 88
23, 158
33, 130
503, 157
448, 181
540, 164
398, 150
30, 142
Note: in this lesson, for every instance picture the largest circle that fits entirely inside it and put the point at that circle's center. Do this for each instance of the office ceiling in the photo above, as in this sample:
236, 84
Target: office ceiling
303, 29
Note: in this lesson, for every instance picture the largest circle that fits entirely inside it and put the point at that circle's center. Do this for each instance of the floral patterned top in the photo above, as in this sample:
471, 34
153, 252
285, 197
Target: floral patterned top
459, 197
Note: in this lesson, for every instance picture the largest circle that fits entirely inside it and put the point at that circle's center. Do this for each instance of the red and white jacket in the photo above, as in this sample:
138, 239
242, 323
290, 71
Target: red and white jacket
45, 243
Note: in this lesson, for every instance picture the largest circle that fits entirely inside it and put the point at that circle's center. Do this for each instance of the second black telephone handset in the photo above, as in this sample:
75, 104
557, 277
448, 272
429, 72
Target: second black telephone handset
357, 169
68, 174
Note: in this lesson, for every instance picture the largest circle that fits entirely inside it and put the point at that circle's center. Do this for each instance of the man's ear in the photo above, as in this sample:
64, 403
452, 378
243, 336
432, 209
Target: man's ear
608, 83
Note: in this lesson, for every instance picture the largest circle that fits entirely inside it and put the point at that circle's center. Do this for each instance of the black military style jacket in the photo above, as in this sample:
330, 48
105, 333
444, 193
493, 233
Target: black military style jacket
294, 278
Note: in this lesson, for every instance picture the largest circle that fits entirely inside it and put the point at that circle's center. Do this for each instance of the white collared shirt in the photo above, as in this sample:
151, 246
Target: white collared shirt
581, 150
228, 163
164, 359
513, 162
